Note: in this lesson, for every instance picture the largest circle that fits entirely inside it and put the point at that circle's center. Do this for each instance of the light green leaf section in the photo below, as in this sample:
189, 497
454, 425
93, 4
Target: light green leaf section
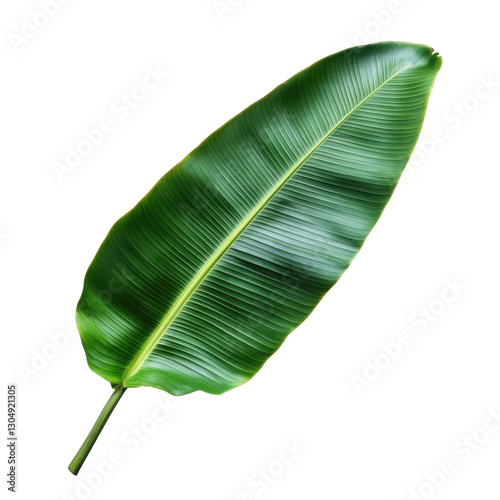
232, 249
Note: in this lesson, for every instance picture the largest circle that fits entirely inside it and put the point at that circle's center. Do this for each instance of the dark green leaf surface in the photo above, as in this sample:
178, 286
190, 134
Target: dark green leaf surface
233, 248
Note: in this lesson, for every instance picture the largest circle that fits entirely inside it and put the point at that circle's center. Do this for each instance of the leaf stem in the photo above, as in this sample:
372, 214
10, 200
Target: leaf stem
84, 450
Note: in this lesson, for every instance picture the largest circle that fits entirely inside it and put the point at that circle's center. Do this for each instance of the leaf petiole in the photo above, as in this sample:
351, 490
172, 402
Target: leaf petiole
87, 445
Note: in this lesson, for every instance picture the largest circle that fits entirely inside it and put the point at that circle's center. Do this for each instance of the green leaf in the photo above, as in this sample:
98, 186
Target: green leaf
232, 249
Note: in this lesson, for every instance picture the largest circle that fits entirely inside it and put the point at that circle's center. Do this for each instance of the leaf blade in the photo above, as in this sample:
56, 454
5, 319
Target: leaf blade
210, 345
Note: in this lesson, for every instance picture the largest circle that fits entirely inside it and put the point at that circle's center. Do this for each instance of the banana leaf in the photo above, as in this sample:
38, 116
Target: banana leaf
201, 282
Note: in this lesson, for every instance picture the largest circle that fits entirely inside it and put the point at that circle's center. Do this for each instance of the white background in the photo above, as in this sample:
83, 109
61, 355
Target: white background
442, 224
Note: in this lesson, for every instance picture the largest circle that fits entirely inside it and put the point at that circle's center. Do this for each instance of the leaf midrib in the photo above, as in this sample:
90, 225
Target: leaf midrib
158, 333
